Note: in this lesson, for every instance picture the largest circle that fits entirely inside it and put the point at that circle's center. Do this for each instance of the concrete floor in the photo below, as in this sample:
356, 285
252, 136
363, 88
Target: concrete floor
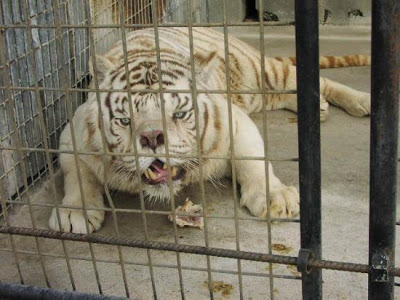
345, 176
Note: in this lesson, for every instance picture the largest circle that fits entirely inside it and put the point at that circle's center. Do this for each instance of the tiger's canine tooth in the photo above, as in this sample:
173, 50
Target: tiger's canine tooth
165, 166
174, 171
146, 174
152, 175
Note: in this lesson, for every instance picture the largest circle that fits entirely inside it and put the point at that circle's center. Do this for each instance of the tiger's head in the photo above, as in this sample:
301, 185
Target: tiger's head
136, 121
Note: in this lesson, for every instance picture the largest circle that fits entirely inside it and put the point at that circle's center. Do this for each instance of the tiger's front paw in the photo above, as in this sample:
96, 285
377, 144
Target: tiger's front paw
73, 220
285, 202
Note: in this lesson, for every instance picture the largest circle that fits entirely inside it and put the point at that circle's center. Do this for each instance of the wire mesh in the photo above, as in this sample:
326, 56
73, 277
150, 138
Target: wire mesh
54, 42
96, 27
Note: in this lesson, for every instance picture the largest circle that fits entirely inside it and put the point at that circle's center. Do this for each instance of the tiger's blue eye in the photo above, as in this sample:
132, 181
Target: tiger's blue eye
125, 121
179, 115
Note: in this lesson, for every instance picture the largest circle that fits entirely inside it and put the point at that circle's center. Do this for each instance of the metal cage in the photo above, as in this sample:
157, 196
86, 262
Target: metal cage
45, 50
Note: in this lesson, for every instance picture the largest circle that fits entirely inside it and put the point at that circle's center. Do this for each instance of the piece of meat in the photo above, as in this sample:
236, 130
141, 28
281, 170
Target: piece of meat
191, 208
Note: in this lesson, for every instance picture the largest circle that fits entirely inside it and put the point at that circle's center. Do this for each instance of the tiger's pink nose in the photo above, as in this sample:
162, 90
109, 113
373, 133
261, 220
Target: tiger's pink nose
152, 139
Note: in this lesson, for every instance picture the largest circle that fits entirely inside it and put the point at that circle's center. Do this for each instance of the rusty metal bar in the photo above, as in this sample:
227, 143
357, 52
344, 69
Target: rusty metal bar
165, 130
385, 66
64, 83
295, 159
160, 212
214, 24
231, 139
18, 144
157, 265
198, 143
200, 91
265, 137
191, 249
134, 138
308, 99
43, 129
18, 291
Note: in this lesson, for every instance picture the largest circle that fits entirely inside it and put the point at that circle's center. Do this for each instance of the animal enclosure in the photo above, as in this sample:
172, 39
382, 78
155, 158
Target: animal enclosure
47, 49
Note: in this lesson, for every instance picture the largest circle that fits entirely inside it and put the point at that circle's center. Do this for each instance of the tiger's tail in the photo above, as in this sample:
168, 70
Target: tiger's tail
329, 62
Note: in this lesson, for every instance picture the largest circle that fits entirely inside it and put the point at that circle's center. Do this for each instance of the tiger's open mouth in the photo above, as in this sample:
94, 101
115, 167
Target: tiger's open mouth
157, 173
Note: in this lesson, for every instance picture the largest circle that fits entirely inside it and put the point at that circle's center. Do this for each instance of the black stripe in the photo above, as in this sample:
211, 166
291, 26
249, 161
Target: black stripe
184, 103
188, 115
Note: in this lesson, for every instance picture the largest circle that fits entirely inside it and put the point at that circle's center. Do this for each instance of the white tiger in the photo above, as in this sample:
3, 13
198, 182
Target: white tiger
123, 173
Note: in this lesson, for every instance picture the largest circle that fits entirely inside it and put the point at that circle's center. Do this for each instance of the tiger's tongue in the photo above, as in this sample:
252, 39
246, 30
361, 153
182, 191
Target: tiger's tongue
158, 166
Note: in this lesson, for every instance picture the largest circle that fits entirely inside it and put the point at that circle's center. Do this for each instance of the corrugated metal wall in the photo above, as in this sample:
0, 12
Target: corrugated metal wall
21, 106
106, 12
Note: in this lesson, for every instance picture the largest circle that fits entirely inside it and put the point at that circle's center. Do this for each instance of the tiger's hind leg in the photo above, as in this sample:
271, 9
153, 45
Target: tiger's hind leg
289, 102
287, 81
354, 102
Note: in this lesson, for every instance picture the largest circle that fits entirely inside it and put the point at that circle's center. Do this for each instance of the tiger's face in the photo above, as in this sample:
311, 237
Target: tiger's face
136, 122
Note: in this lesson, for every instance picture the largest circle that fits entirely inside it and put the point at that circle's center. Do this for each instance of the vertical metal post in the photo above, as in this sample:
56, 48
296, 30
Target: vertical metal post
384, 134
307, 51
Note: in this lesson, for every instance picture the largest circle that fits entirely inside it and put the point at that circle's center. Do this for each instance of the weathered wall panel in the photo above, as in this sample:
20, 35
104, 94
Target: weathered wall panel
20, 71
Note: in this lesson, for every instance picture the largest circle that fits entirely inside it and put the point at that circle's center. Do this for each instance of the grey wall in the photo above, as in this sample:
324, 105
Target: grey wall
205, 11
177, 11
236, 10
340, 10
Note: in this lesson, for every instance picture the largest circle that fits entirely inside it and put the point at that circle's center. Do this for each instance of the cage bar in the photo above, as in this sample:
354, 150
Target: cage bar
43, 128
165, 130
126, 15
265, 137
133, 134
64, 83
231, 146
11, 104
192, 249
18, 291
308, 99
199, 153
172, 24
155, 265
384, 139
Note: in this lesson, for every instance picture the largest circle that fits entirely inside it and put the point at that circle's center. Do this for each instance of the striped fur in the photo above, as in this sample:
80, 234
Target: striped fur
118, 127
329, 62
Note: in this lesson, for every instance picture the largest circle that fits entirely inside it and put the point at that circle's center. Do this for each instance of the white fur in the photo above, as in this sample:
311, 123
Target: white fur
97, 171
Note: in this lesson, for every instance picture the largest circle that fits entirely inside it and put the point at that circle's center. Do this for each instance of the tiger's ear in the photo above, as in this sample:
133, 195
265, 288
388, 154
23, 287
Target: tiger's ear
205, 65
103, 64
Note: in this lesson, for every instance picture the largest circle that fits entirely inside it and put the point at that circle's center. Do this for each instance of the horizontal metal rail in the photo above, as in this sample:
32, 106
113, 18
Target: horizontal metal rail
19, 291
157, 212
192, 249
155, 265
117, 26
158, 155
165, 90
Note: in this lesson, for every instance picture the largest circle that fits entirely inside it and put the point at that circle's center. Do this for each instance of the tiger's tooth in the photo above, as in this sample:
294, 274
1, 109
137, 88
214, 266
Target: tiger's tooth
152, 175
174, 171
165, 166
146, 173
